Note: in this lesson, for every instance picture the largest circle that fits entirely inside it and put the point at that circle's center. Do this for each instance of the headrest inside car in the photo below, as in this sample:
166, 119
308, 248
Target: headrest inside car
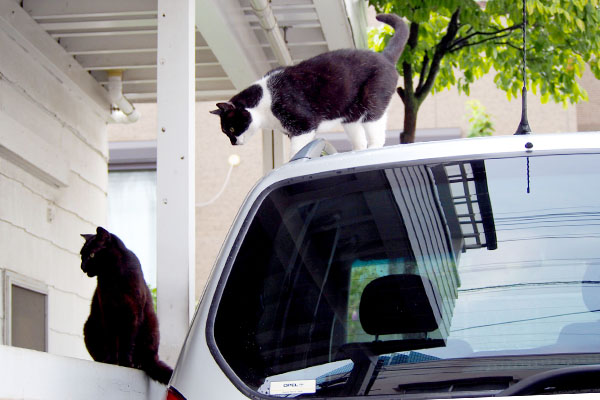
398, 304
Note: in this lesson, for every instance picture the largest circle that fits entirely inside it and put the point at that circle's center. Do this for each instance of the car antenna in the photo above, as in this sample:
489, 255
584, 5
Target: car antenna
524, 128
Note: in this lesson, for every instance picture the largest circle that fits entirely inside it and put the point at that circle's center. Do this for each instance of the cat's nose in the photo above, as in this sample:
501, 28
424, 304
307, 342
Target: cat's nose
236, 141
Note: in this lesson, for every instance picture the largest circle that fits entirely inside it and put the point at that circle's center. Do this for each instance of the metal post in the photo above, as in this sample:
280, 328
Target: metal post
175, 173
275, 149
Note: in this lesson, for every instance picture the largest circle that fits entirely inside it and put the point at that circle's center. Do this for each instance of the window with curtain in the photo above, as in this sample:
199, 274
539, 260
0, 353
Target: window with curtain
132, 200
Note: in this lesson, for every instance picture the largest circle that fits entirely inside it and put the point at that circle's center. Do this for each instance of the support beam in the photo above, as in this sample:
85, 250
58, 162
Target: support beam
268, 23
176, 262
223, 25
276, 150
335, 24
357, 17
344, 23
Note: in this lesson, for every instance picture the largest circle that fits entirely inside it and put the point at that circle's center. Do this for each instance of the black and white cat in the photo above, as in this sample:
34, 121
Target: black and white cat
353, 87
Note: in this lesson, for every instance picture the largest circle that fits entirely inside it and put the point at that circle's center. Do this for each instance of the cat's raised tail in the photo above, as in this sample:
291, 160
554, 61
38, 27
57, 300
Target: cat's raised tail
396, 44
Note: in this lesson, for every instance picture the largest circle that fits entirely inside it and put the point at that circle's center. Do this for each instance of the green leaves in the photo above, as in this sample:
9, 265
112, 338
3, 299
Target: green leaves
562, 38
480, 123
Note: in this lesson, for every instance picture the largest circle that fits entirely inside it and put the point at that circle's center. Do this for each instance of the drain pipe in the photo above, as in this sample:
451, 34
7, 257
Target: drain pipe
128, 113
262, 9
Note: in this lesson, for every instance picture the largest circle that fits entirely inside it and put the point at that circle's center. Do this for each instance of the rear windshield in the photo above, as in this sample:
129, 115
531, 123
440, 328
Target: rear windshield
452, 277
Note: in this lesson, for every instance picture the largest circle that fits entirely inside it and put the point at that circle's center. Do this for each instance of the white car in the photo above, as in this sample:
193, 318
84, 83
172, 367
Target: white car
455, 269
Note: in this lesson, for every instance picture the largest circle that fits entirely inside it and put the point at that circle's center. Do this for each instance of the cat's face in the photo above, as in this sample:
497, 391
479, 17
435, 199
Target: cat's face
94, 251
234, 122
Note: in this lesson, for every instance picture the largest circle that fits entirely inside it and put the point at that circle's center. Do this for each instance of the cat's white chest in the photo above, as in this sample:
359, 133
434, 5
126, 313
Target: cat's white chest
269, 121
262, 116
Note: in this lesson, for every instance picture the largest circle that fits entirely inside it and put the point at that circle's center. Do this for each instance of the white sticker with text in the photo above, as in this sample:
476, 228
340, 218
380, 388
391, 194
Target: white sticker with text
293, 387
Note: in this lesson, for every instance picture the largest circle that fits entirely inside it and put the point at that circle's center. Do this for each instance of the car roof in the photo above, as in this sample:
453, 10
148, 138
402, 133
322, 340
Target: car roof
308, 162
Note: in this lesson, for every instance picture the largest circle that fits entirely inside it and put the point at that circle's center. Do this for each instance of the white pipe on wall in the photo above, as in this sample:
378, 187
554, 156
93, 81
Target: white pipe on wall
115, 94
262, 9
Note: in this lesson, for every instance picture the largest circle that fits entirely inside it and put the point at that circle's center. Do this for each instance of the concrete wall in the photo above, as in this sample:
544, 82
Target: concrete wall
588, 117
52, 377
53, 157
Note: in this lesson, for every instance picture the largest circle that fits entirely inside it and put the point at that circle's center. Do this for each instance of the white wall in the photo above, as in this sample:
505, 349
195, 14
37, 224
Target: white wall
53, 156
51, 377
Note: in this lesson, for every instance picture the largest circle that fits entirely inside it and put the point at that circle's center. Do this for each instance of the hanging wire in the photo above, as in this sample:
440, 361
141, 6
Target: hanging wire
219, 193
528, 179
233, 161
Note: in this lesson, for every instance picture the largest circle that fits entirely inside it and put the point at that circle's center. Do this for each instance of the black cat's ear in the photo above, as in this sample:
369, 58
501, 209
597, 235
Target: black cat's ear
87, 236
102, 233
222, 108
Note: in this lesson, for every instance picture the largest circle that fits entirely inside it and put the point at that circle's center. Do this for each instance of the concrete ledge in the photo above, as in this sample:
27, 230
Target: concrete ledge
28, 374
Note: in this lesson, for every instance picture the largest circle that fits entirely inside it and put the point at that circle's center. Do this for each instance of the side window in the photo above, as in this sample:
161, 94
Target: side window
132, 200
26, 312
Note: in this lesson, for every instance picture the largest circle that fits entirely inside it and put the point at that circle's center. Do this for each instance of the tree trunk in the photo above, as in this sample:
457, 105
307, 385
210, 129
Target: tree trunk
411, 109
411, 97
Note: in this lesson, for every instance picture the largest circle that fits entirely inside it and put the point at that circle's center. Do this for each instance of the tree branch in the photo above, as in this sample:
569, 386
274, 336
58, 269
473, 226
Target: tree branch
455, 48
469, 36
407, 72
509, 45
423, 71
440, 50
400, 93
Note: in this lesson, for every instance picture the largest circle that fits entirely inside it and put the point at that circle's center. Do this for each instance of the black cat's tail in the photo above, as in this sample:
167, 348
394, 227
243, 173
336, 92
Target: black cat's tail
396, 44
158, 370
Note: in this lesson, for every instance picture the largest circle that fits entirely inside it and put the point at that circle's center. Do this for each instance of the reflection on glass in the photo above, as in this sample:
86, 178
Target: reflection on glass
354, 281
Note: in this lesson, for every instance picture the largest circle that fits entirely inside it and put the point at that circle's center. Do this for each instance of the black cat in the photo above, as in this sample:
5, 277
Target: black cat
122, 327
353, 87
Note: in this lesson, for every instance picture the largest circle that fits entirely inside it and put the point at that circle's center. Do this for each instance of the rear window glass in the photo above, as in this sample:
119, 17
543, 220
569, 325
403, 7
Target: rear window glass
348, 285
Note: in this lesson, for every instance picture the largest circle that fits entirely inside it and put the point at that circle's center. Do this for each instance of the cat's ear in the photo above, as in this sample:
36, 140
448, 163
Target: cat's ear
102, 233
222, 108
87, 236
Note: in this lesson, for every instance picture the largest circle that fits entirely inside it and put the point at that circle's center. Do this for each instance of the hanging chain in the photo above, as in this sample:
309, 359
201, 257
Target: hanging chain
528, 177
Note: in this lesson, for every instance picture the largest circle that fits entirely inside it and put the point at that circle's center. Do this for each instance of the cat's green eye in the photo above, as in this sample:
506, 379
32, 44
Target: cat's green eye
92, 255
232, 130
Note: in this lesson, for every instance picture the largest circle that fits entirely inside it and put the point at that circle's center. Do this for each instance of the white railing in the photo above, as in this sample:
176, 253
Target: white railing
28, 374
